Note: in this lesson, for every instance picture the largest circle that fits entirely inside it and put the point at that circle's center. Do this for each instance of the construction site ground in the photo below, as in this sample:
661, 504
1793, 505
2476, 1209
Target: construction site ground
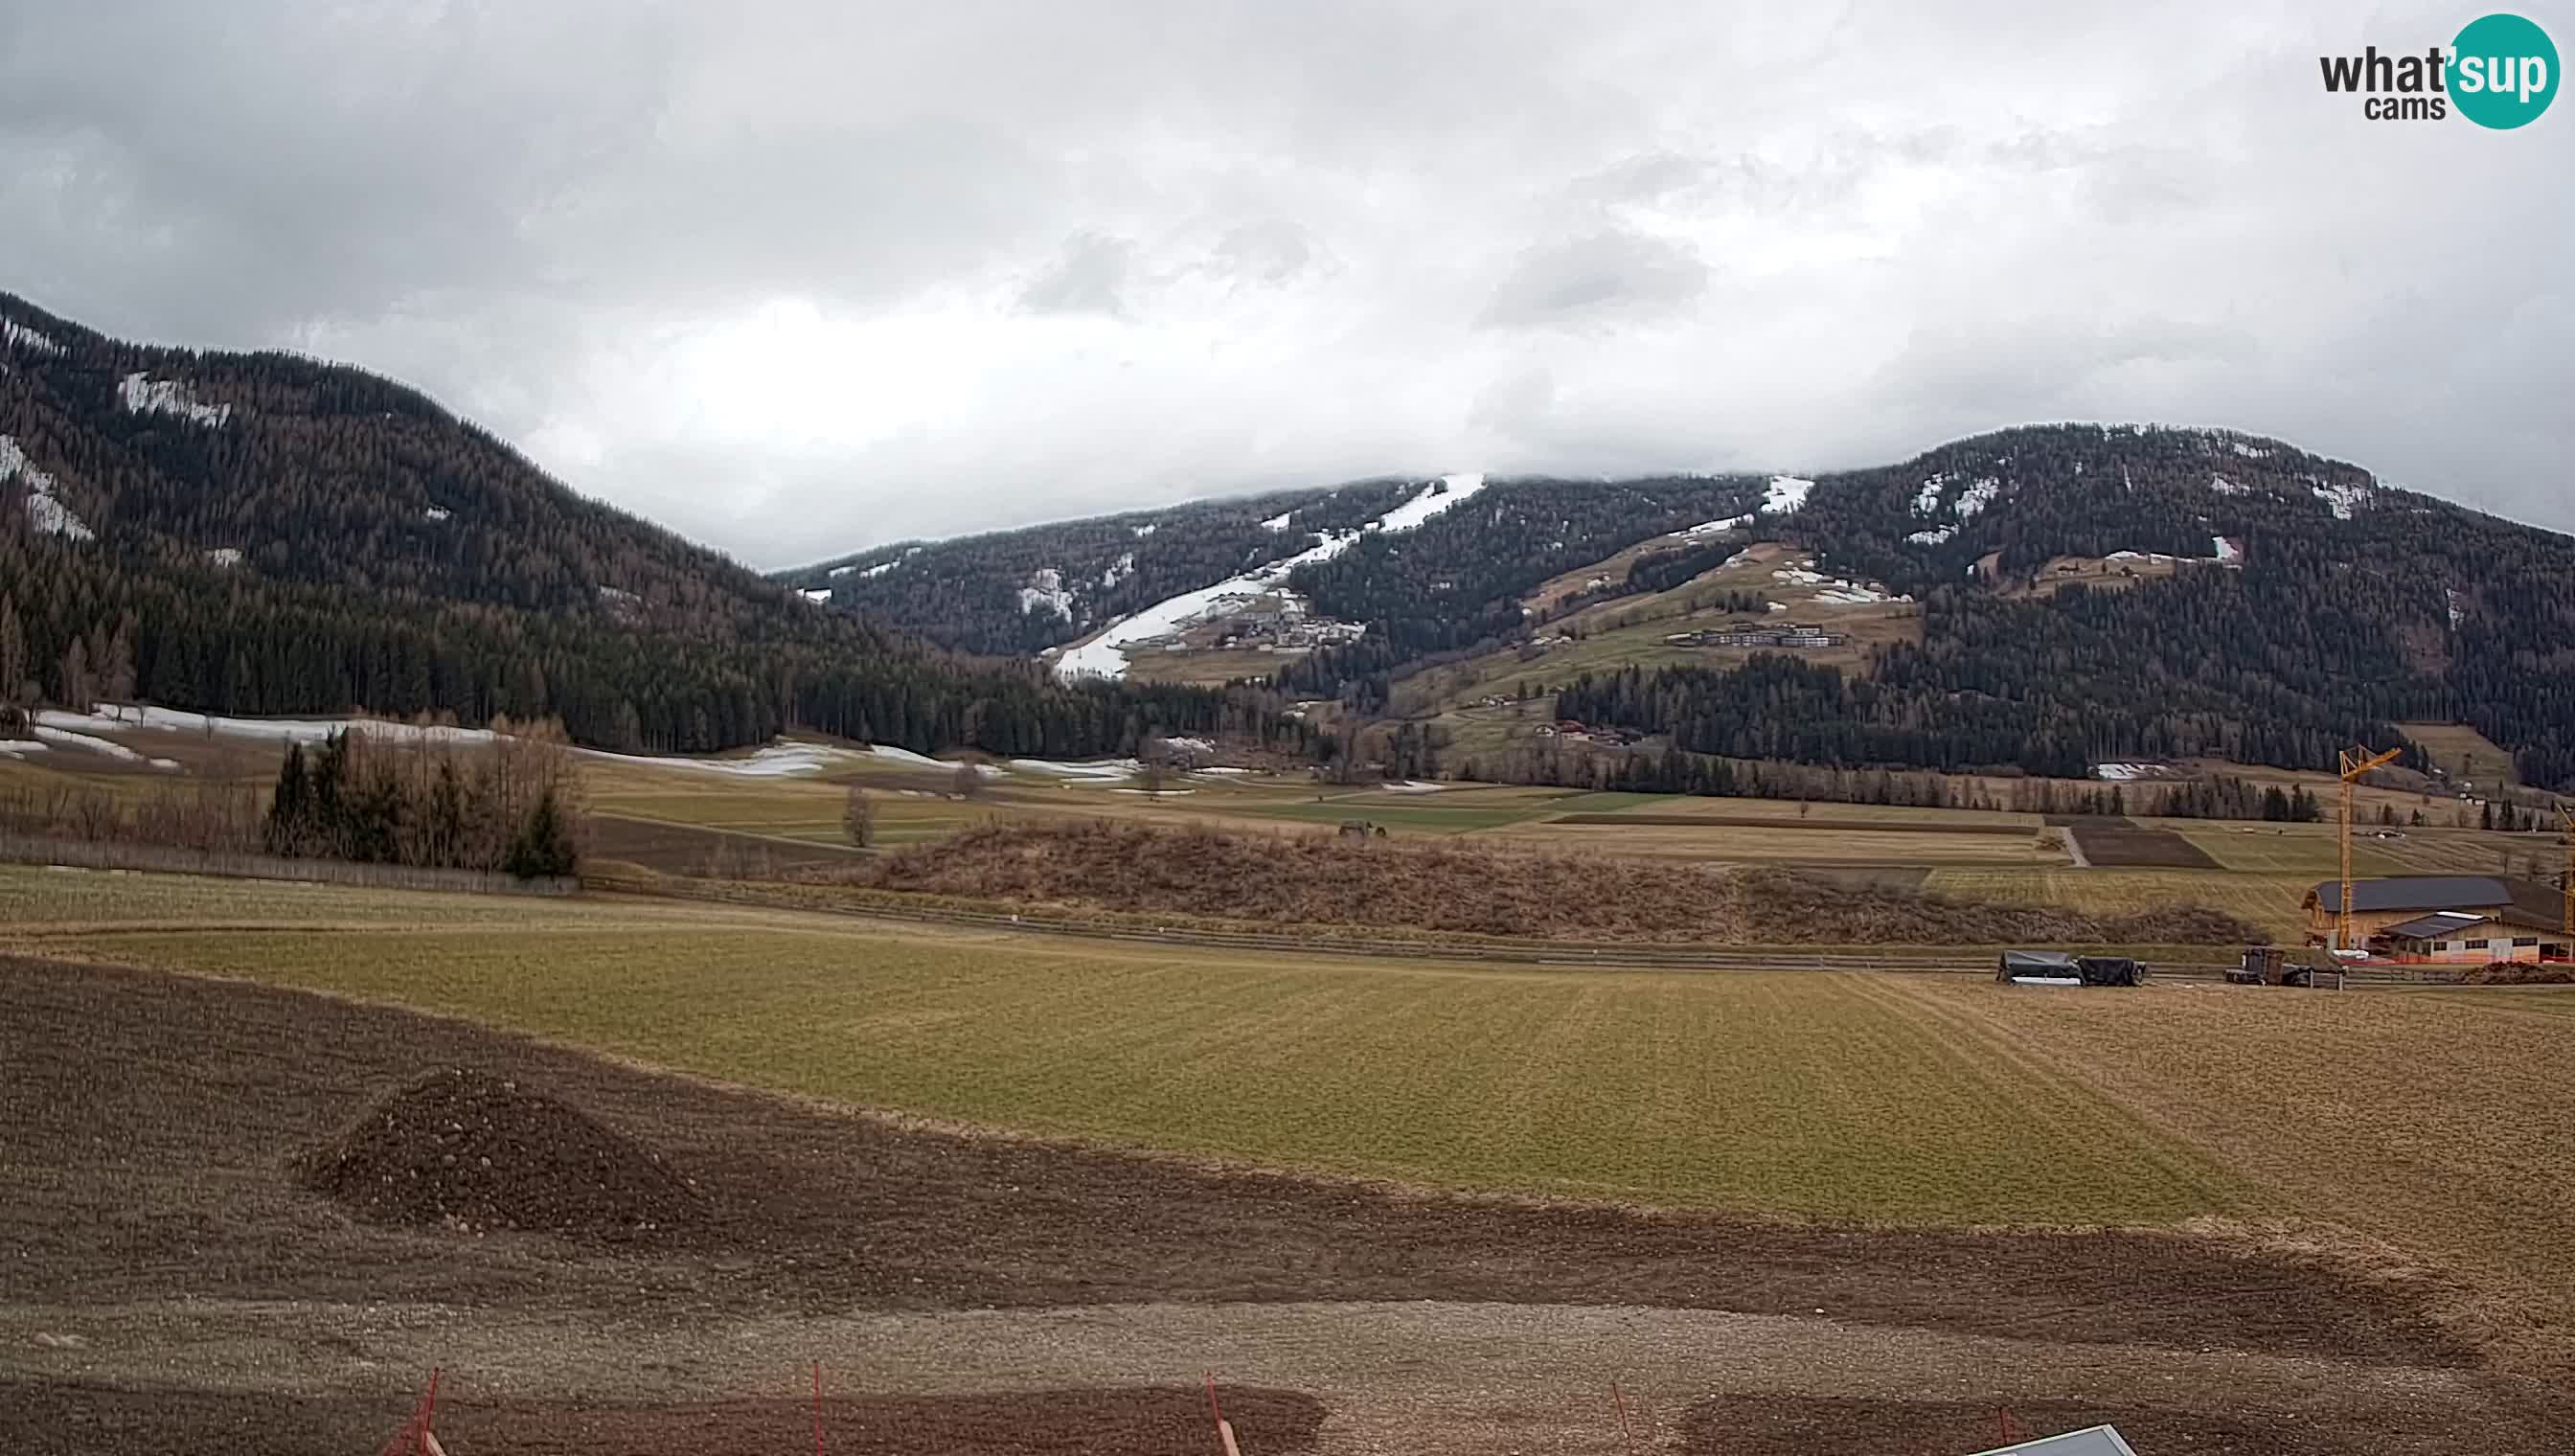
167, 1285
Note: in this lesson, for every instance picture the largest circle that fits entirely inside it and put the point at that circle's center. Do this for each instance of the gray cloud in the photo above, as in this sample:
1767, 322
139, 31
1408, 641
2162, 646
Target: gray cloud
795, 277
1605, 276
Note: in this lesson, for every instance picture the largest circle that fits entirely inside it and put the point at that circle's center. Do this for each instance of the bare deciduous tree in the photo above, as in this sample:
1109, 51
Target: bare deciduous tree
858, 818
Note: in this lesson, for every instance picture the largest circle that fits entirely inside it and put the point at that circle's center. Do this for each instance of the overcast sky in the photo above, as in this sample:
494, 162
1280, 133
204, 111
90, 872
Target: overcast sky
802, 276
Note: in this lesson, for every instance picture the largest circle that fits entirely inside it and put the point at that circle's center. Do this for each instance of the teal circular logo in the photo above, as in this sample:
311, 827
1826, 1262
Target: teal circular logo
2503, 71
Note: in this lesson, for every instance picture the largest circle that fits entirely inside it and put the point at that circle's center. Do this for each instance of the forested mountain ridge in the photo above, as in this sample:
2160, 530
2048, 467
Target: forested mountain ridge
265, 533
2303, 603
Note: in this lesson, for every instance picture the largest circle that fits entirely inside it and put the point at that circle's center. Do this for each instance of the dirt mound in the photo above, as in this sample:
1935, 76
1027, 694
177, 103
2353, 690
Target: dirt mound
1319, 879
471, 1152
2518, 974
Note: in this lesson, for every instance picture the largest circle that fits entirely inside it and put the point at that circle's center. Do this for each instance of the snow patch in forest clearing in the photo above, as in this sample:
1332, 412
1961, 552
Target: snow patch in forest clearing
819, 595
2123, 773
2224, 487
47, 515
2228, 553
2341, 500
1978, 496
18, 335
1786, 495
1713, 528
436, 514
1046, 589
1104, 655
1119, 570
1279, 521
225, 555
1434, 500
1938, 536
143, 394
1148, 529
2250, 451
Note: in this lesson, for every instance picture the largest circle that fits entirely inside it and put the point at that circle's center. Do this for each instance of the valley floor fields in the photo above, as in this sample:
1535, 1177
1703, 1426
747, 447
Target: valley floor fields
1399, 1206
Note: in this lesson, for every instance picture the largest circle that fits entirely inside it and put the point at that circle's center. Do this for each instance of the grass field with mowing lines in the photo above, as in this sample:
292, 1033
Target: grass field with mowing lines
2309, 850
1784, 843
1783, 1093
2269, 900
2434, 1120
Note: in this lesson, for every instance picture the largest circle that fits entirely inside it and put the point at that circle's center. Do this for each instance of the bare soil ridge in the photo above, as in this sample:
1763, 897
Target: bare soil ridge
1445, 886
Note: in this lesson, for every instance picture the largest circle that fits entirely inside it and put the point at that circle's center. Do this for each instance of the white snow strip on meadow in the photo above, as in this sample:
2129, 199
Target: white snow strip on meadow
52, 734
1784, 494
1937, 537
1165, 794
145, 396
47, 515
2122, 772
1104, 657
1411, 785
1979, 495
18, 335
1777, 606
904, 756
1099, 770
1711, 527
1224, 771
22, 746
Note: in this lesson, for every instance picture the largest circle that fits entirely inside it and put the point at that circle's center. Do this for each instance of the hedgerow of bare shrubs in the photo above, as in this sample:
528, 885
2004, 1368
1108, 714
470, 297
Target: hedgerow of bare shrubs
1304, 878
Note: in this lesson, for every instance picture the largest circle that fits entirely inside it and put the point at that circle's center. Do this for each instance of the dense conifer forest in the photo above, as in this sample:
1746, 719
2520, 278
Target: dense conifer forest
268, 534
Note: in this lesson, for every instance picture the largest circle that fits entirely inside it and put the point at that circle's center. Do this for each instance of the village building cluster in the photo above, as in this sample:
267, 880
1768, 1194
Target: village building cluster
1795, 636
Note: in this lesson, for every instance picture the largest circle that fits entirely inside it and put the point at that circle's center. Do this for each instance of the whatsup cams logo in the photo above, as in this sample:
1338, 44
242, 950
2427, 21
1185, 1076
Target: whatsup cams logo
2500, 72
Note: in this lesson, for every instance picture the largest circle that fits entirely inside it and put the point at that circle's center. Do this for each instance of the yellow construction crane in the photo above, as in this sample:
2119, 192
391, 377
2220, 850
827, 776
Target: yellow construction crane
2355, 763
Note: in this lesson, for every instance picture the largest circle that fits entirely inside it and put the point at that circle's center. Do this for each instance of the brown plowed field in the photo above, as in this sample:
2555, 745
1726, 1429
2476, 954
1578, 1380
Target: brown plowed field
191, 1297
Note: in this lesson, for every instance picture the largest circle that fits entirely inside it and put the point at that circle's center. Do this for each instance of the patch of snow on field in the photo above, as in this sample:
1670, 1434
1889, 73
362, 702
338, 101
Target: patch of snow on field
819, 595
1979, 495
1279, 521
1798, 576
2122, 772
1713, 528
904, 756
1784, 494
1411, 785
22, 746
1163, 793
143, 394
47, 515
1777, 606
2341, 500
18, 335
1937, 537
770, 760
120, 718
